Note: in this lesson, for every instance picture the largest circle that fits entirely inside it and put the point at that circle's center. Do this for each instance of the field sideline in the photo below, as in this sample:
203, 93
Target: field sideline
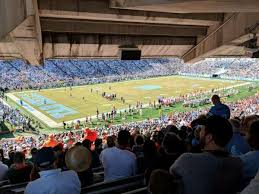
65, 104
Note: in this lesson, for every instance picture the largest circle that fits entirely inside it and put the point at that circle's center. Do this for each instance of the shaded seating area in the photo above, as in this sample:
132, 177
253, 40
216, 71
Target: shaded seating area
124, 185
116, 187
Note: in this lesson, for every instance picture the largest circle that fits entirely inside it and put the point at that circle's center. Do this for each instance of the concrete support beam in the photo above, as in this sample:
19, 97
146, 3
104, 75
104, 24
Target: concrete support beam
100, 11
188, 6
90, 27
37, 24
23, 43
12, 13
107, 46
20, 30
226, 39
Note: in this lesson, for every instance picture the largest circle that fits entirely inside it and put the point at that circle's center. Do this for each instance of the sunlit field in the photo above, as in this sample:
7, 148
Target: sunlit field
82, 101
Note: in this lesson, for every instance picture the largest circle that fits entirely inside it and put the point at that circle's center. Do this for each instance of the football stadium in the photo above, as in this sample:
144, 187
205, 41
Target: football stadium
129, 97
76, 102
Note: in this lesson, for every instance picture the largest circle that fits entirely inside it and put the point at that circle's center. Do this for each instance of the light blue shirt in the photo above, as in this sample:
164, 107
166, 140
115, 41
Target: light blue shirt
250, 164
237, 145
55, 182
3, 171
118, 163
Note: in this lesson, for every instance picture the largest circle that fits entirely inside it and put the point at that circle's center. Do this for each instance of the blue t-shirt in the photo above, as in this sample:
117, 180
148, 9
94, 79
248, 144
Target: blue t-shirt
220, 110
250, 164
238, 145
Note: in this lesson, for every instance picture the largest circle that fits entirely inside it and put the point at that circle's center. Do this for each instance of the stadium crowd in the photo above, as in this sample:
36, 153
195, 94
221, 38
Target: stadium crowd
16, 119
204, 151
231, 68
191, 146
60, 73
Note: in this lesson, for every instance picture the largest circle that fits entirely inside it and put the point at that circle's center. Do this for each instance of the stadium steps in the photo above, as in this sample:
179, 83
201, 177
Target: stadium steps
77, 67
8, 62
45, 72
125, 71
96, 70
64, 72
136, 65
128, 70
106, 64
7, 69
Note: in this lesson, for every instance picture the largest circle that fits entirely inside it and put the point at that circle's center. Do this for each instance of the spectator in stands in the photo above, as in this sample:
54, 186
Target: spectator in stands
251, 159
212, 171
78, 158
150, 156
3, 170
110, 142
161, 182
253, 187
95, 157
52, 180
11, 158
137, 149
60, 156
98, 146
119, 162
219, 109
246, 123
19, 171
158, 137
172, 147
2, 158
33, 155
237, 145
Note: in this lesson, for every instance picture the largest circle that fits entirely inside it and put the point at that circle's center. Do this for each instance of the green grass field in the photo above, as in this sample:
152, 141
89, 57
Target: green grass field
136, 90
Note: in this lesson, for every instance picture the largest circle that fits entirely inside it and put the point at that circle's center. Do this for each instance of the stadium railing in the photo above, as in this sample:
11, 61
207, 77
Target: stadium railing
116, 187
7, 188
13, 188
142, 190
5, 182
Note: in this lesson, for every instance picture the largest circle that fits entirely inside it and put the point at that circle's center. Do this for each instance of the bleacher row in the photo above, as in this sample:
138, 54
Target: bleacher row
55, 73
130, 185
233, 68
16, 74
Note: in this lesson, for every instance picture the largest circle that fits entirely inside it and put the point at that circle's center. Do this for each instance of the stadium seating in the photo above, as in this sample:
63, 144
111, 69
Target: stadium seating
115, 187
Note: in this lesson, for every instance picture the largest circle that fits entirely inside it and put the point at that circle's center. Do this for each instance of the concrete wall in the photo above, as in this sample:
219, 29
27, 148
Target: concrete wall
12, 13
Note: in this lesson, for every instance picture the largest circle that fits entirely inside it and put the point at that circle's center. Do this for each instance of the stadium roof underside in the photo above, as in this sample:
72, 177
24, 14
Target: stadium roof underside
191, 29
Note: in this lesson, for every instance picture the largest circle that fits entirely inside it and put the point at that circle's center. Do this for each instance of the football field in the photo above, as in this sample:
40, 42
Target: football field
65, 104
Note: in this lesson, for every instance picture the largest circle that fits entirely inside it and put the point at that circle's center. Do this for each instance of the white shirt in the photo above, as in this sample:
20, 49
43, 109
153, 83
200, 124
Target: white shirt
55, 182
118, 163
3, 170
